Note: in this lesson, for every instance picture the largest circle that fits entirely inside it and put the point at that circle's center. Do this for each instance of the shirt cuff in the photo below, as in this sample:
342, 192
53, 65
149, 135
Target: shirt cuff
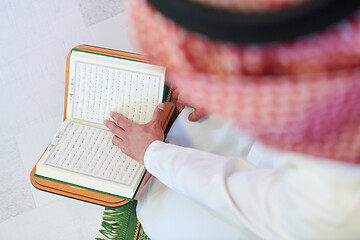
147, 156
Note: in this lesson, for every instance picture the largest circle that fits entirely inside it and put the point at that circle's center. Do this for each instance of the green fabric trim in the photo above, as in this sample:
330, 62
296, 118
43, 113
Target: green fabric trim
121, 224
106, 55
166, 93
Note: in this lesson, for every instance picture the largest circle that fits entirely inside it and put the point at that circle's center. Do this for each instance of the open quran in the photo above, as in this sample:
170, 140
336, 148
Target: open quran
81, 153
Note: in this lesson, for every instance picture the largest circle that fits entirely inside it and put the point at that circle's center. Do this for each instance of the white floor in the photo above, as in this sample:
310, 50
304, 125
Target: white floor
35, 37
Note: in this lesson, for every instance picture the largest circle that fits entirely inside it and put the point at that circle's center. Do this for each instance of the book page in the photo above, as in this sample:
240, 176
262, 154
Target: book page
100, 84
84, 155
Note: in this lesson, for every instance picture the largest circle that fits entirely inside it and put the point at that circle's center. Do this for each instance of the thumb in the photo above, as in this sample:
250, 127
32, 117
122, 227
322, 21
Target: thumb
158, 114
196, 115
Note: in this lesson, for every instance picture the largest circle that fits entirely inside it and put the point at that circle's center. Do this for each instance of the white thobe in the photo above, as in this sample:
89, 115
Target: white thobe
216, 184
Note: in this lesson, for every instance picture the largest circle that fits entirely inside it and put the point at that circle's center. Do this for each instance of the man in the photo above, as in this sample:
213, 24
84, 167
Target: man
299, 98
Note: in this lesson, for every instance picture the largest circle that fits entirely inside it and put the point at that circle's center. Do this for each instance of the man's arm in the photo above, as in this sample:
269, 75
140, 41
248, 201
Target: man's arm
210, 180
302, 199
295, 201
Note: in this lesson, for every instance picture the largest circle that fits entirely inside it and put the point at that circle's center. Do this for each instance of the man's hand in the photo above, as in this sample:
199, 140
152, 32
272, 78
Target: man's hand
180, 102
133, 139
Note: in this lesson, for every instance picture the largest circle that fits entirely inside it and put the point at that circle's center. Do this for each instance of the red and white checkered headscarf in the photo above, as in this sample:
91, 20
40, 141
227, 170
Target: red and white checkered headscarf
301, 95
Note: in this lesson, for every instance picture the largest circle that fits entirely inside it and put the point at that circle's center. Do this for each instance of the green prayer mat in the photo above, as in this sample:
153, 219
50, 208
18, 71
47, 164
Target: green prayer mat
122, 224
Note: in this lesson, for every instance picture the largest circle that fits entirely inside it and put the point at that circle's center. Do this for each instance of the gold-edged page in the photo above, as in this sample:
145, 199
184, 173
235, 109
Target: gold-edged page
83, 155
100, 84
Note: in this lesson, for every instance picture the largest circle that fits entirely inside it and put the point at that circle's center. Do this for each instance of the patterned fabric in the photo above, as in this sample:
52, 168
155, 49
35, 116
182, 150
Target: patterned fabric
122, 224
301, 95
142, 235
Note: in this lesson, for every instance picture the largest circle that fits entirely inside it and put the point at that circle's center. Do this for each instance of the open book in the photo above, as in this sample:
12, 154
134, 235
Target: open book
81, 154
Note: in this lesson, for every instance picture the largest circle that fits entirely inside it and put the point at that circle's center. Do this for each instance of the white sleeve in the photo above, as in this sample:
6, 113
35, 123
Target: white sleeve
290, 202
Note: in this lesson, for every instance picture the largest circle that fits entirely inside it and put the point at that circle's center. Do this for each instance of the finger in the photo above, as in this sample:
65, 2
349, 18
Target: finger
179, 106
176, 100
117, 141
175, 94
121, 121
158, 114
115, 129
197, 115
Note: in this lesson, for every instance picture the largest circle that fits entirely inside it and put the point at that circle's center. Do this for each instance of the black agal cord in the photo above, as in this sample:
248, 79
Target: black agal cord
277, 25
